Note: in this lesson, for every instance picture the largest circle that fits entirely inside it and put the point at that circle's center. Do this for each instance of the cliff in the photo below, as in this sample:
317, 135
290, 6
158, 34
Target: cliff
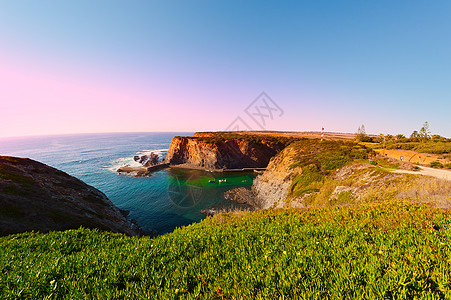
224, 151
34, 196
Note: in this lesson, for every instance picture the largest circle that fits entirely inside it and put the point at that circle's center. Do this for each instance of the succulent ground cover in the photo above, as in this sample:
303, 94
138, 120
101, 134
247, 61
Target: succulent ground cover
388, 249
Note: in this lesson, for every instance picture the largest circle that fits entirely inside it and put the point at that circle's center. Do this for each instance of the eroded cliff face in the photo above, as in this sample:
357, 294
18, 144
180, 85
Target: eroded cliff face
222, 153
271, 188
34, 196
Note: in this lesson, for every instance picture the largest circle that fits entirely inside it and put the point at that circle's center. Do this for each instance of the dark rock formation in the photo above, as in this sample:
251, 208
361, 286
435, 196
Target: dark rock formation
34, 196
147, 160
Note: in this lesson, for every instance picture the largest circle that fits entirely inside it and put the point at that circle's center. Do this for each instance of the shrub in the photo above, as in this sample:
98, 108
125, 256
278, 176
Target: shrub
436, 164
359, 153
334, 160
366, 139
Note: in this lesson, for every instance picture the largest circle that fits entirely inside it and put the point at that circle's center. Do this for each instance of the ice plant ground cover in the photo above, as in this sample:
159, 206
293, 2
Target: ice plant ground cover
390, 249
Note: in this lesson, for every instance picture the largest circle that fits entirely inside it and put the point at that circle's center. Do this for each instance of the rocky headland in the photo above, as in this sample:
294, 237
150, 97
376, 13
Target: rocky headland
221, 151
34, 196
314, 173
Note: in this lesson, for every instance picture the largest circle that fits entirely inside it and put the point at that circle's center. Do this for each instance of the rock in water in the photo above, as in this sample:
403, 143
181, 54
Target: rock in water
34, 196
147, 160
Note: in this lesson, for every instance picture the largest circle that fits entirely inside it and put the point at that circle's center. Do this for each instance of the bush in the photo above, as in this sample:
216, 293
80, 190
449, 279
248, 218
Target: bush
334, 160
448, 166
436, 164
366, 139
359, 153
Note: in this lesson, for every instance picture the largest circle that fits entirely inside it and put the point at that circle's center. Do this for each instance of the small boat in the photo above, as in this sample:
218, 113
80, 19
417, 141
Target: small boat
211, 181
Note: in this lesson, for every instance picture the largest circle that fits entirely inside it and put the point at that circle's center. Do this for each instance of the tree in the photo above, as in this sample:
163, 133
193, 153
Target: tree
361, 130
425, 133
415, 135
361, 133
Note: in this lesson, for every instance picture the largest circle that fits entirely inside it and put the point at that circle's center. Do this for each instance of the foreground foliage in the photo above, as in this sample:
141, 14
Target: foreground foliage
380, 250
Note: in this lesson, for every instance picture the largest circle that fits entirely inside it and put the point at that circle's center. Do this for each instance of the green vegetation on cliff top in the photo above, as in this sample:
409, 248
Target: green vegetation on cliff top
394, 249
318, 160
221, 137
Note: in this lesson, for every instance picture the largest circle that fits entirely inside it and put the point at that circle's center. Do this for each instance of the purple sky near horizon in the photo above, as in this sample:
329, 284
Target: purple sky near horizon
78, 67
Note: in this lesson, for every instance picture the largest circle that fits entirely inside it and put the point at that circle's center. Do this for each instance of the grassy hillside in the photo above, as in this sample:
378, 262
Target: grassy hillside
429, 146
394, 249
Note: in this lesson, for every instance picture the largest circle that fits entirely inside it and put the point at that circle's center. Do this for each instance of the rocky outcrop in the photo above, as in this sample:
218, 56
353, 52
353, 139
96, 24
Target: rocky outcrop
34, 196
147, 160
215, 153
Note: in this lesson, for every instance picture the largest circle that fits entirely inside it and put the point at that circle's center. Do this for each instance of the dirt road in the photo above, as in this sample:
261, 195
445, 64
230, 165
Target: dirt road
438, 173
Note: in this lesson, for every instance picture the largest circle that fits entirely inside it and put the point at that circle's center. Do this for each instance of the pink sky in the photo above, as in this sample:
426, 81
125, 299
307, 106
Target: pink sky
44, 98
161, 66
47, 100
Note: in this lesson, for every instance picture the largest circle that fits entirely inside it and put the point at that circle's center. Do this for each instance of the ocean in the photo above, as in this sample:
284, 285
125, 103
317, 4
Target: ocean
169, 199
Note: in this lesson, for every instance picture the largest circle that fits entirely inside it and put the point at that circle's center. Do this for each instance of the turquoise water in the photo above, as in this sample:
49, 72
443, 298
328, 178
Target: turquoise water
160, 203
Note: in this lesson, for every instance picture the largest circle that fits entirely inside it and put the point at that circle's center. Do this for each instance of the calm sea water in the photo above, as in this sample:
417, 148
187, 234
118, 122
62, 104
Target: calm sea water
160, 203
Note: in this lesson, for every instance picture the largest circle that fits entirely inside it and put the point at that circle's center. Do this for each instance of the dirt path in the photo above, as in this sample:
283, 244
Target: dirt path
438, 173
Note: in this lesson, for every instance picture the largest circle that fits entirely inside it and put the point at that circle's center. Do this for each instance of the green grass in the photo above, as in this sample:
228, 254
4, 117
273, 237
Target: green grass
221, 137
389, 250
307, 182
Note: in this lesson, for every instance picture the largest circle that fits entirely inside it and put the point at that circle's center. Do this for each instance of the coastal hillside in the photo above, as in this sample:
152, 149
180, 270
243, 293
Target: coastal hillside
383, 250
311, 173
224, 151
36, 197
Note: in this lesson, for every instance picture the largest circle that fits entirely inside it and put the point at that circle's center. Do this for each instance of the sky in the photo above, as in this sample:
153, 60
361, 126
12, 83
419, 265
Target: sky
129, 66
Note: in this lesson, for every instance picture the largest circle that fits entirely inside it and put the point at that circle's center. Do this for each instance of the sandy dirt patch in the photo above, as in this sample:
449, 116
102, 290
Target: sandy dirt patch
412, 156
